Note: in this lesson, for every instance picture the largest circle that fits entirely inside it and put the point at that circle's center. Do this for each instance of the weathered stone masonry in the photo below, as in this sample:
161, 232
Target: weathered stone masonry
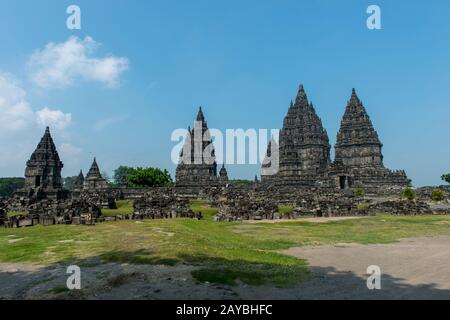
304, 151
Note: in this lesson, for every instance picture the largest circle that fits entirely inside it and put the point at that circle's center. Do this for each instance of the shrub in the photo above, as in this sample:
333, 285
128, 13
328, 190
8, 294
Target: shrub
359, 192
437, 195
409, 194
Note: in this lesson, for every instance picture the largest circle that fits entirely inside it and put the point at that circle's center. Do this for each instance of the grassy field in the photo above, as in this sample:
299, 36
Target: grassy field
227, 252
123, 207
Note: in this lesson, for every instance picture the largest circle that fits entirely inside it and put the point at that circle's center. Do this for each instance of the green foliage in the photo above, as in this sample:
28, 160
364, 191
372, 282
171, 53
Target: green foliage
437, 195
359, 192
240, 183
10, 185
149, 177
121, 175
69, 182
446, 177
409, 194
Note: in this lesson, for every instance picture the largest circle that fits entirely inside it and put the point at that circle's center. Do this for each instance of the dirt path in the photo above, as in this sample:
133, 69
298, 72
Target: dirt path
417, 268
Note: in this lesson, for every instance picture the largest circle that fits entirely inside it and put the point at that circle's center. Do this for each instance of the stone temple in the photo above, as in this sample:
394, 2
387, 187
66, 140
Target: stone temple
197, 166
43, 171
94, 179
304, 151
358, 157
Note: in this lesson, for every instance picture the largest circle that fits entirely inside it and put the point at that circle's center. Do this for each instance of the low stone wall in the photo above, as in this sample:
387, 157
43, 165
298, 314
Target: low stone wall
401, 207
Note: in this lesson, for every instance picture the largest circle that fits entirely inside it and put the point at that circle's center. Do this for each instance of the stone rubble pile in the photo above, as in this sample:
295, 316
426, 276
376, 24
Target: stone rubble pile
102, 199
49, 212
401, 207
157, 205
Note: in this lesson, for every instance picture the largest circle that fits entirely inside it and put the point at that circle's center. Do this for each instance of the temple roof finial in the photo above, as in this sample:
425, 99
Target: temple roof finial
200, 116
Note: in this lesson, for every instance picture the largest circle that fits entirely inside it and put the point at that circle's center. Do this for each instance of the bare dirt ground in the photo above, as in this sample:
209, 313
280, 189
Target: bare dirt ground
415, 268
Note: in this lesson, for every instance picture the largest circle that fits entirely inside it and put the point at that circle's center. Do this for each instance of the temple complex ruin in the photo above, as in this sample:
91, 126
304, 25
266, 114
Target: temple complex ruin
297, 172
304, 151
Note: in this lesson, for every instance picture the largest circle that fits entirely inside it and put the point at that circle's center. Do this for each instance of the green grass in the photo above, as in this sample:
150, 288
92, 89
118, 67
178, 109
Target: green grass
202, 206
225, 252
16, 213
123, 207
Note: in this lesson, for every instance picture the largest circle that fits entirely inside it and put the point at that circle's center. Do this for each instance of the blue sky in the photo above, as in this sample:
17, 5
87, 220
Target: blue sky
241, 60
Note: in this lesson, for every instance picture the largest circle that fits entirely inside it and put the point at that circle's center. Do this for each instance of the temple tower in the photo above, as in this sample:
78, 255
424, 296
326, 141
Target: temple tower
43, 171
197, 166
304, 148
357, 143
94, 179
358, 157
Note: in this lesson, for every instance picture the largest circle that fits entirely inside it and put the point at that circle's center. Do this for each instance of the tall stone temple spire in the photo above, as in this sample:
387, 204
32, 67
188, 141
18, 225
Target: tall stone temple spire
358, 157
94, 179
304, 148
43, 171
197, 166
357, 142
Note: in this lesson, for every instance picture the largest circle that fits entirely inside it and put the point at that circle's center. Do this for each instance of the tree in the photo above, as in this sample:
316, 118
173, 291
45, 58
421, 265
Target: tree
10, 185
446, 177
121, 174
149, 177
69, 182
409, 194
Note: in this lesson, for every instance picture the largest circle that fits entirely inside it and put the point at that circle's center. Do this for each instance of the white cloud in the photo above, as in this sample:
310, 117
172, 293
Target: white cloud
53, 118
15, 111
61, 64
20, 126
